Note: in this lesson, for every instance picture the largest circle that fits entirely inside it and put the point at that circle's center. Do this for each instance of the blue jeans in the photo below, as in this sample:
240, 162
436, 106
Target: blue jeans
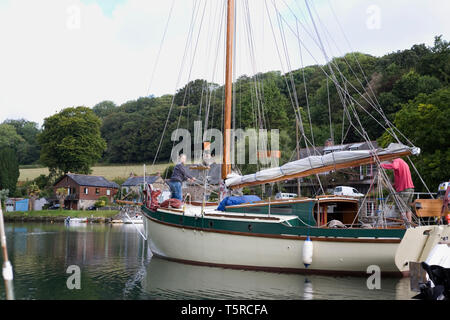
175, 187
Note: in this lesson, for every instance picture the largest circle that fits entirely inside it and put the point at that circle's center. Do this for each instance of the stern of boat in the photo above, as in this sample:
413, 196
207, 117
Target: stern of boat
417, 244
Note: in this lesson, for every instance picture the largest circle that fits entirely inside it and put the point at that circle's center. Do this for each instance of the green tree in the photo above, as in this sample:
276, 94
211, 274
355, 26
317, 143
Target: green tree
133, 130
193, 93
44, 184
411, 84
104, 108
28, 149
425, 122
436, 60
9, 136
71, 141
275, 106
9, 169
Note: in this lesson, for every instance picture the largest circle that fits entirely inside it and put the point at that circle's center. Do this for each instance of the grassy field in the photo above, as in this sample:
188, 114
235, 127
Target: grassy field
63, 213
108, 171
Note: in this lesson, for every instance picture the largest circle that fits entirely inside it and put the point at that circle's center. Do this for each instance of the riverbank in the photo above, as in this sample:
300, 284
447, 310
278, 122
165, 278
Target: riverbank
97, 216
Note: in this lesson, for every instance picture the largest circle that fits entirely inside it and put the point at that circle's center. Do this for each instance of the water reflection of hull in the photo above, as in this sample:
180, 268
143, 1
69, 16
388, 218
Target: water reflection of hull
138, 220
172, 280
76, 221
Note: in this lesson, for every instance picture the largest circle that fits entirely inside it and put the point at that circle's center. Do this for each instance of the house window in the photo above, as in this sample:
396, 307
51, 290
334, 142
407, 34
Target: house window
369, 169
97, 191
108, 192
86, 190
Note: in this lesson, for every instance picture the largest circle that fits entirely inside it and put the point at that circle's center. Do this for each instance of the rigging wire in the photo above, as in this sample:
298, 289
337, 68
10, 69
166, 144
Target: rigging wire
294, 98
334, 80
329, 65
258, 97
178, 81
329, 113
339, 87
160, 48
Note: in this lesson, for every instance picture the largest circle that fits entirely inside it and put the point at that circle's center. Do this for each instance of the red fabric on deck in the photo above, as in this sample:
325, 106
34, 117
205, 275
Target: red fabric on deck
174, 203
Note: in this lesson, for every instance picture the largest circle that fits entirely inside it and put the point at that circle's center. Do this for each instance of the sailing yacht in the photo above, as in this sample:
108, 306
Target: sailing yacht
291, 235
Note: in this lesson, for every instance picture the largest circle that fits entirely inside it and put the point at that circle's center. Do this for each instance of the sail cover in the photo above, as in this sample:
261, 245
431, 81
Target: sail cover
304, 166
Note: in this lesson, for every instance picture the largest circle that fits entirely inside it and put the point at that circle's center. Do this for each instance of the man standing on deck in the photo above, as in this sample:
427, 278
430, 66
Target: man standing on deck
402, 181
178, 176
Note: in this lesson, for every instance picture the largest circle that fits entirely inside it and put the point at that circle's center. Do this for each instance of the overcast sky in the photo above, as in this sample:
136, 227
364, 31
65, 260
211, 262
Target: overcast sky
62, 53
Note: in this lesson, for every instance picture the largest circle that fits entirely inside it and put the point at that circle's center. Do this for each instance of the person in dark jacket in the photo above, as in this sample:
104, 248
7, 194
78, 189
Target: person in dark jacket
178, 176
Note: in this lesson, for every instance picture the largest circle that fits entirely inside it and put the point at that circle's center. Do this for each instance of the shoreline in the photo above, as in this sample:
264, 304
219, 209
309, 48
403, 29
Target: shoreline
54, 219
59, 216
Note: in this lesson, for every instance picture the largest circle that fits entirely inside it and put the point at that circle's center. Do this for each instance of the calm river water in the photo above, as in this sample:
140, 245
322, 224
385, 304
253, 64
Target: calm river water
115, 264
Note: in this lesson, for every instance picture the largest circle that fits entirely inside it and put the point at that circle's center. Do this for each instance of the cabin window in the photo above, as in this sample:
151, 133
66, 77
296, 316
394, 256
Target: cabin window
86, 190
97, 190
108, 192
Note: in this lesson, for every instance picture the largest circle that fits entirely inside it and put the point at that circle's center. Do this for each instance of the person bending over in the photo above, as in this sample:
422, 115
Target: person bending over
402, 181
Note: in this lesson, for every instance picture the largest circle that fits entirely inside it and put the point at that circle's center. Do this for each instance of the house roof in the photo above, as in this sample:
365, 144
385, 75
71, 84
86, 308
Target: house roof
134, 181
90, 181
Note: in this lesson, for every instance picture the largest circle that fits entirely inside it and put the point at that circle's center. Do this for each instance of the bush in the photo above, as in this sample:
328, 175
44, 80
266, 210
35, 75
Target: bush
100, 203
3, 196
104, 200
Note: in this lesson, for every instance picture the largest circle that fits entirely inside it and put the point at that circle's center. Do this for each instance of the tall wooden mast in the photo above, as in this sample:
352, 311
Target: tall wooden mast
226, 166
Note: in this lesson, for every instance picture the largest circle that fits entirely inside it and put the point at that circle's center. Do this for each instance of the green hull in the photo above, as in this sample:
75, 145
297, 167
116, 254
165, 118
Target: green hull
292, 227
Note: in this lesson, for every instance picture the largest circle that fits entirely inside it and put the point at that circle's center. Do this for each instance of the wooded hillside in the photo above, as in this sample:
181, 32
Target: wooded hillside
411, 86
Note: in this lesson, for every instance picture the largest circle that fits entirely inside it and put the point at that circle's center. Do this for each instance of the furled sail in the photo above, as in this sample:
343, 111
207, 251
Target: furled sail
317, 164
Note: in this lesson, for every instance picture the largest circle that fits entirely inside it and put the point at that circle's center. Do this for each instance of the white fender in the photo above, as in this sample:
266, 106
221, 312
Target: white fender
307, 252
